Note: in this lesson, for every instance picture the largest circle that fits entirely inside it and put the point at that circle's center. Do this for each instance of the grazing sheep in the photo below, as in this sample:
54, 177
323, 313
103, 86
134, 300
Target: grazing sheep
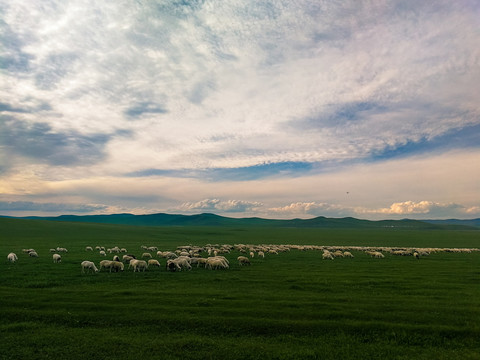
376, 254
56, 258
252, 254
88, 248
327, 256
138, 265
105, 264
216, 262
153, 262
102, 253
261, 253
147, 255
116, 266
88, 265
416, 255
201, 261
243, 260
33, 254
61, 249
179, 263
12, 257
53, 250
127, 258
348, 254
116, 258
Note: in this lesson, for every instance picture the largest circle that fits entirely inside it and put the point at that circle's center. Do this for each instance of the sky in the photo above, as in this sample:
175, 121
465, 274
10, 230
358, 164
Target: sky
277, 109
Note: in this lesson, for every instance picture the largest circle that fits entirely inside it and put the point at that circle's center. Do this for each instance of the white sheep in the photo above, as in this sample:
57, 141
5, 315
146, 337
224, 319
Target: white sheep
179, 263
348, 254
216, 262
12, 257
106, 264
56, 258
33, 254
147, 255
252, 254
88, 248
138, 265
88, 265
243, 260
102, 253
116, 266
261, 253
327, 255
153, 262
127, 258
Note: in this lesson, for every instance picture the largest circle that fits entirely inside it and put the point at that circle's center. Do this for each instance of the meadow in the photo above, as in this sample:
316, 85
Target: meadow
293, 305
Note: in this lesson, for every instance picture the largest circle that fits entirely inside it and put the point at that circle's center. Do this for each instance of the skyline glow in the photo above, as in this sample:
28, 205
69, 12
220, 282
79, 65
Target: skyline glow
276, 109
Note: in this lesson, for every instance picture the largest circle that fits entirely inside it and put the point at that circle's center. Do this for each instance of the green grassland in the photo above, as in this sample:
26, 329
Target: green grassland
288, 306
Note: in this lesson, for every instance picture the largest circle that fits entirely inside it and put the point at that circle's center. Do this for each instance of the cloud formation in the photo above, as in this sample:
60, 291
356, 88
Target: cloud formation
222, 206
222, 95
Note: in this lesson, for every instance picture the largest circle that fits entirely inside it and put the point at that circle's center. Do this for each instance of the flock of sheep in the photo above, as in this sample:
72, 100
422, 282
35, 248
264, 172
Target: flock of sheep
184, 257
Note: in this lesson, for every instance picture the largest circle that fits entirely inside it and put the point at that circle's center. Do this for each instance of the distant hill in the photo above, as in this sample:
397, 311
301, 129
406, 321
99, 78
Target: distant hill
207, 219
472, 222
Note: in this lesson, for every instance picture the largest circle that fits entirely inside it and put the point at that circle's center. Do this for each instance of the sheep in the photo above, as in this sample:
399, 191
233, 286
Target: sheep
105, 264
56, 258
12, 257
153, 262
138, 264
347, 254
102, 253
147, 255
416, 255
88, 248
201, 261
261, 253
33, 254
53, 250
61, 249
88, 265
252, 254
375, 254
179, 263
116, 258
243, 260
327, 256
127, 258
173, 265
216, 262
116, 266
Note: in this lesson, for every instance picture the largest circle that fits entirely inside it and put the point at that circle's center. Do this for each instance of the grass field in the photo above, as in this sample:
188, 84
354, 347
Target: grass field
288, 306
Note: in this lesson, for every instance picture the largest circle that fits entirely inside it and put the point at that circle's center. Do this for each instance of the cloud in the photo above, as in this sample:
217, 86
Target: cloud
428, 208
407, 209
278, 102
27, 206
311, 208
40, 142
222, 206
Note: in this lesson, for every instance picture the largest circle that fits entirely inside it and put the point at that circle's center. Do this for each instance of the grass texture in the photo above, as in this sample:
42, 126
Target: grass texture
293, 305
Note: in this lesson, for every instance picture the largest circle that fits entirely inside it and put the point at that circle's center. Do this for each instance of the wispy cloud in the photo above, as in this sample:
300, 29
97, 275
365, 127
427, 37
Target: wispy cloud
27, 206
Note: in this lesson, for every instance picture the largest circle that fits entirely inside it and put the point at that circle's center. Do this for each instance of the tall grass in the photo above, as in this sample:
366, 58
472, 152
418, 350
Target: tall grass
288, 306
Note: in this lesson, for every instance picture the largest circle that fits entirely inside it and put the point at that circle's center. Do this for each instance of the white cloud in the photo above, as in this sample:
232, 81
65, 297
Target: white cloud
221, 206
